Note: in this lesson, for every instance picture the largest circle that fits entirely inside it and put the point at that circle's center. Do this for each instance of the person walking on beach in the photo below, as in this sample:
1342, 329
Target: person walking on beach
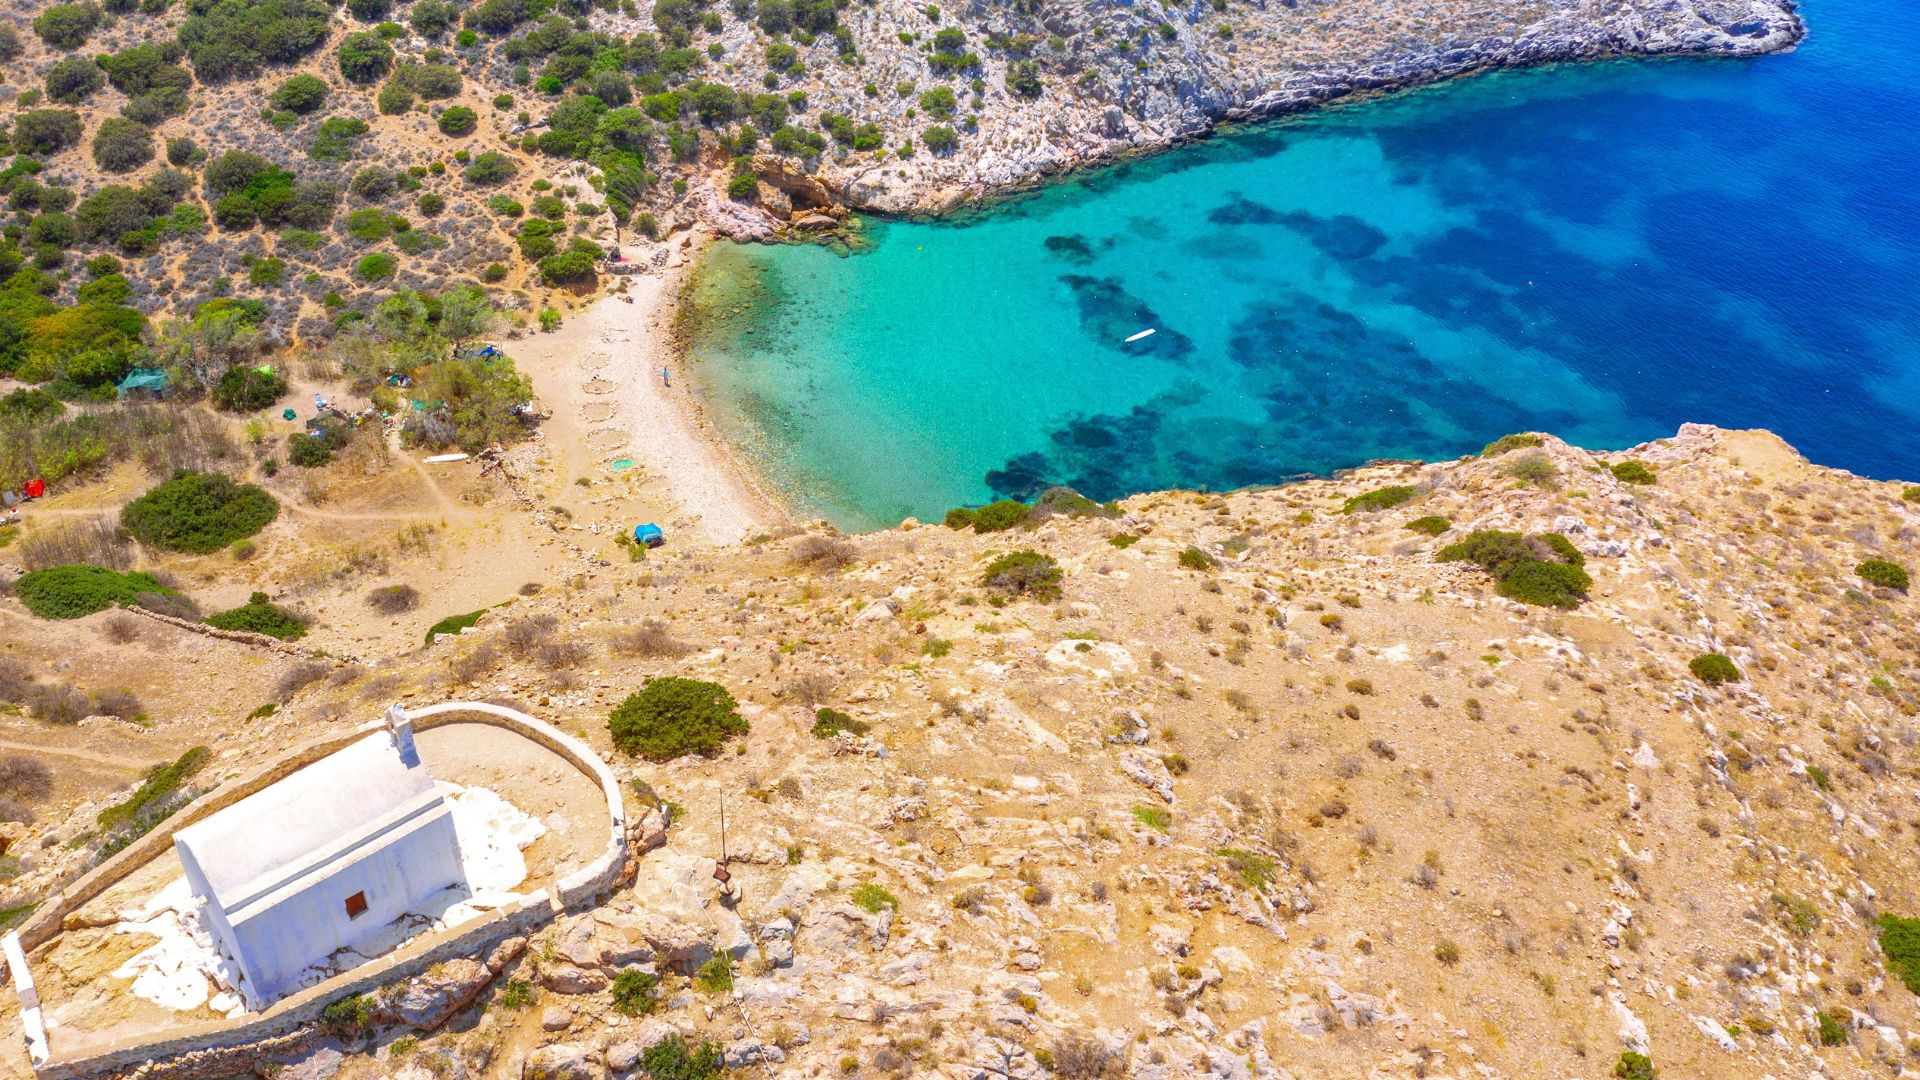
664, 381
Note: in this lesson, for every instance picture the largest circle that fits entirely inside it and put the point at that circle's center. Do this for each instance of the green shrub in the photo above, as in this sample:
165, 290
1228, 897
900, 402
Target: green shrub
1911, 494
236, 40
490, 168
349, 1014
716, 975
161, 781
830, 722
364, 57
453, 624
121, 145
198, 512
67, 26
1194, 559
459, 121
671, 1058
671, 717
1634, 472
635, 992
1431, 525
1545, 584
1534, 470
993, 517
1510, 442
243, 388
1540, 571
1385, 498
45, 131
1885, 574
68, 592
1632, 1066
73, 80
1563, 548
309, 450
257, 616
1832, 1031
300, 94
30, 405
1900, 941
871, 899
1713, 669
1153, 817
566, 267
375, 267
1024, 572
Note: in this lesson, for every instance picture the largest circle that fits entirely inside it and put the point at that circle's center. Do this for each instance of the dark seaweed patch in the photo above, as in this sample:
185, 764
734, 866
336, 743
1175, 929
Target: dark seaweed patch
1109, 314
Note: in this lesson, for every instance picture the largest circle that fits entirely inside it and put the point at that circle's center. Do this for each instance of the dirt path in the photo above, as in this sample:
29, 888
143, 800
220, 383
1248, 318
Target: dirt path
110, 760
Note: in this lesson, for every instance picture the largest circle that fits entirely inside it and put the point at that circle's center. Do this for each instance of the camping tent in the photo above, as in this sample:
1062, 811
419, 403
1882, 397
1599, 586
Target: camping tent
649, 534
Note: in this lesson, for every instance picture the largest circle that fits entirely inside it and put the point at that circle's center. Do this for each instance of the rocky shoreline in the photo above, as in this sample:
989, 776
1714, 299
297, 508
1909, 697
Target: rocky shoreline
1104, 116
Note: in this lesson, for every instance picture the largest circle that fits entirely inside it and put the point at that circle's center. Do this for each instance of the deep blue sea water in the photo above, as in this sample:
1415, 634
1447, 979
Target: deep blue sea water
1600, 251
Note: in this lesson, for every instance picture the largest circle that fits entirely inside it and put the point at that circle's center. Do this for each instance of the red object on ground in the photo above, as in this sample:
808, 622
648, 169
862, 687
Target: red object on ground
36, 488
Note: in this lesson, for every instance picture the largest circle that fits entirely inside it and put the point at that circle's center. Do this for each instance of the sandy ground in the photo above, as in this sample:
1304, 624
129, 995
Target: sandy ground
600, 375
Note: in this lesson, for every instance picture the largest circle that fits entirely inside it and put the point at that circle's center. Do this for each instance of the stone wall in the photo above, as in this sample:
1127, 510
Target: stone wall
577, 888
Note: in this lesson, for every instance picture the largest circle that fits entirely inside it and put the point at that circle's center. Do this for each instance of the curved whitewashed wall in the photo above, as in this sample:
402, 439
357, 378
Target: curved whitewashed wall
301, 1009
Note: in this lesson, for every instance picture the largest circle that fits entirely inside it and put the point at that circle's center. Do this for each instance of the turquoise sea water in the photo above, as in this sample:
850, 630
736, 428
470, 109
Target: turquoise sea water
1601, 251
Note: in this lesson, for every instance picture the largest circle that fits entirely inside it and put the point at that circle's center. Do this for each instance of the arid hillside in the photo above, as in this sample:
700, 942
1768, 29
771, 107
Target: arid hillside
1255, 784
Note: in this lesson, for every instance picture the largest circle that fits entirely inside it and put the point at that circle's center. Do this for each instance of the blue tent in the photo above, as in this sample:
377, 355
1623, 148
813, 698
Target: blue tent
649, 534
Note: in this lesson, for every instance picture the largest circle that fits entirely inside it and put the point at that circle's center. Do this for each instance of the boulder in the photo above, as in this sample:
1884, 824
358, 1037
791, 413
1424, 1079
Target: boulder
562, 1061
556, 1018
567, 979
431, 998
505, 953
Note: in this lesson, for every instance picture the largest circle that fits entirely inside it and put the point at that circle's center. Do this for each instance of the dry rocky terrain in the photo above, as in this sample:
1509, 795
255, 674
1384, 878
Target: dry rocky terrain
1268, 791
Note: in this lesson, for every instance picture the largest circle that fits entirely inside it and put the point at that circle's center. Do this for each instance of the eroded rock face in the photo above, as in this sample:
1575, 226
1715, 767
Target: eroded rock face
430, 999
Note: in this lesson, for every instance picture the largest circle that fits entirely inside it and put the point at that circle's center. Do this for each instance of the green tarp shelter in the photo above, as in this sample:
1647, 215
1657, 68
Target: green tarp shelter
152, 379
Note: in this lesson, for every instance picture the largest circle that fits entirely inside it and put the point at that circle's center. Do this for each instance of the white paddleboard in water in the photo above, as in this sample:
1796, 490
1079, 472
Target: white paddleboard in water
1138, 336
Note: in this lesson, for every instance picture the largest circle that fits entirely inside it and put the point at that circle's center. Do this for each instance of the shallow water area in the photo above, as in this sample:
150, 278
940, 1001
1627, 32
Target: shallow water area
1600, 251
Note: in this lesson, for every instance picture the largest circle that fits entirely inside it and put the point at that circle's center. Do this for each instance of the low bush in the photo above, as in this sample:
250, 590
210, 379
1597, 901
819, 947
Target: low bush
453, 624
198, 512
393, 599
651, 638
1510, 442
824, 552
1531, 570
1431, 525
1713, 669
1911, 494
1024, 573
1192, 558
672, 1058
1900, 941
671, 717
873, 899
69, 592
300, 94
1385, 498
244, 388
636, 992
160, 783
993, 517
830, 722
1885, 574
459, 121
1832, 1031
30, 405
1534, 470
25, 778
1634, 472
258, 616
1632, 1066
